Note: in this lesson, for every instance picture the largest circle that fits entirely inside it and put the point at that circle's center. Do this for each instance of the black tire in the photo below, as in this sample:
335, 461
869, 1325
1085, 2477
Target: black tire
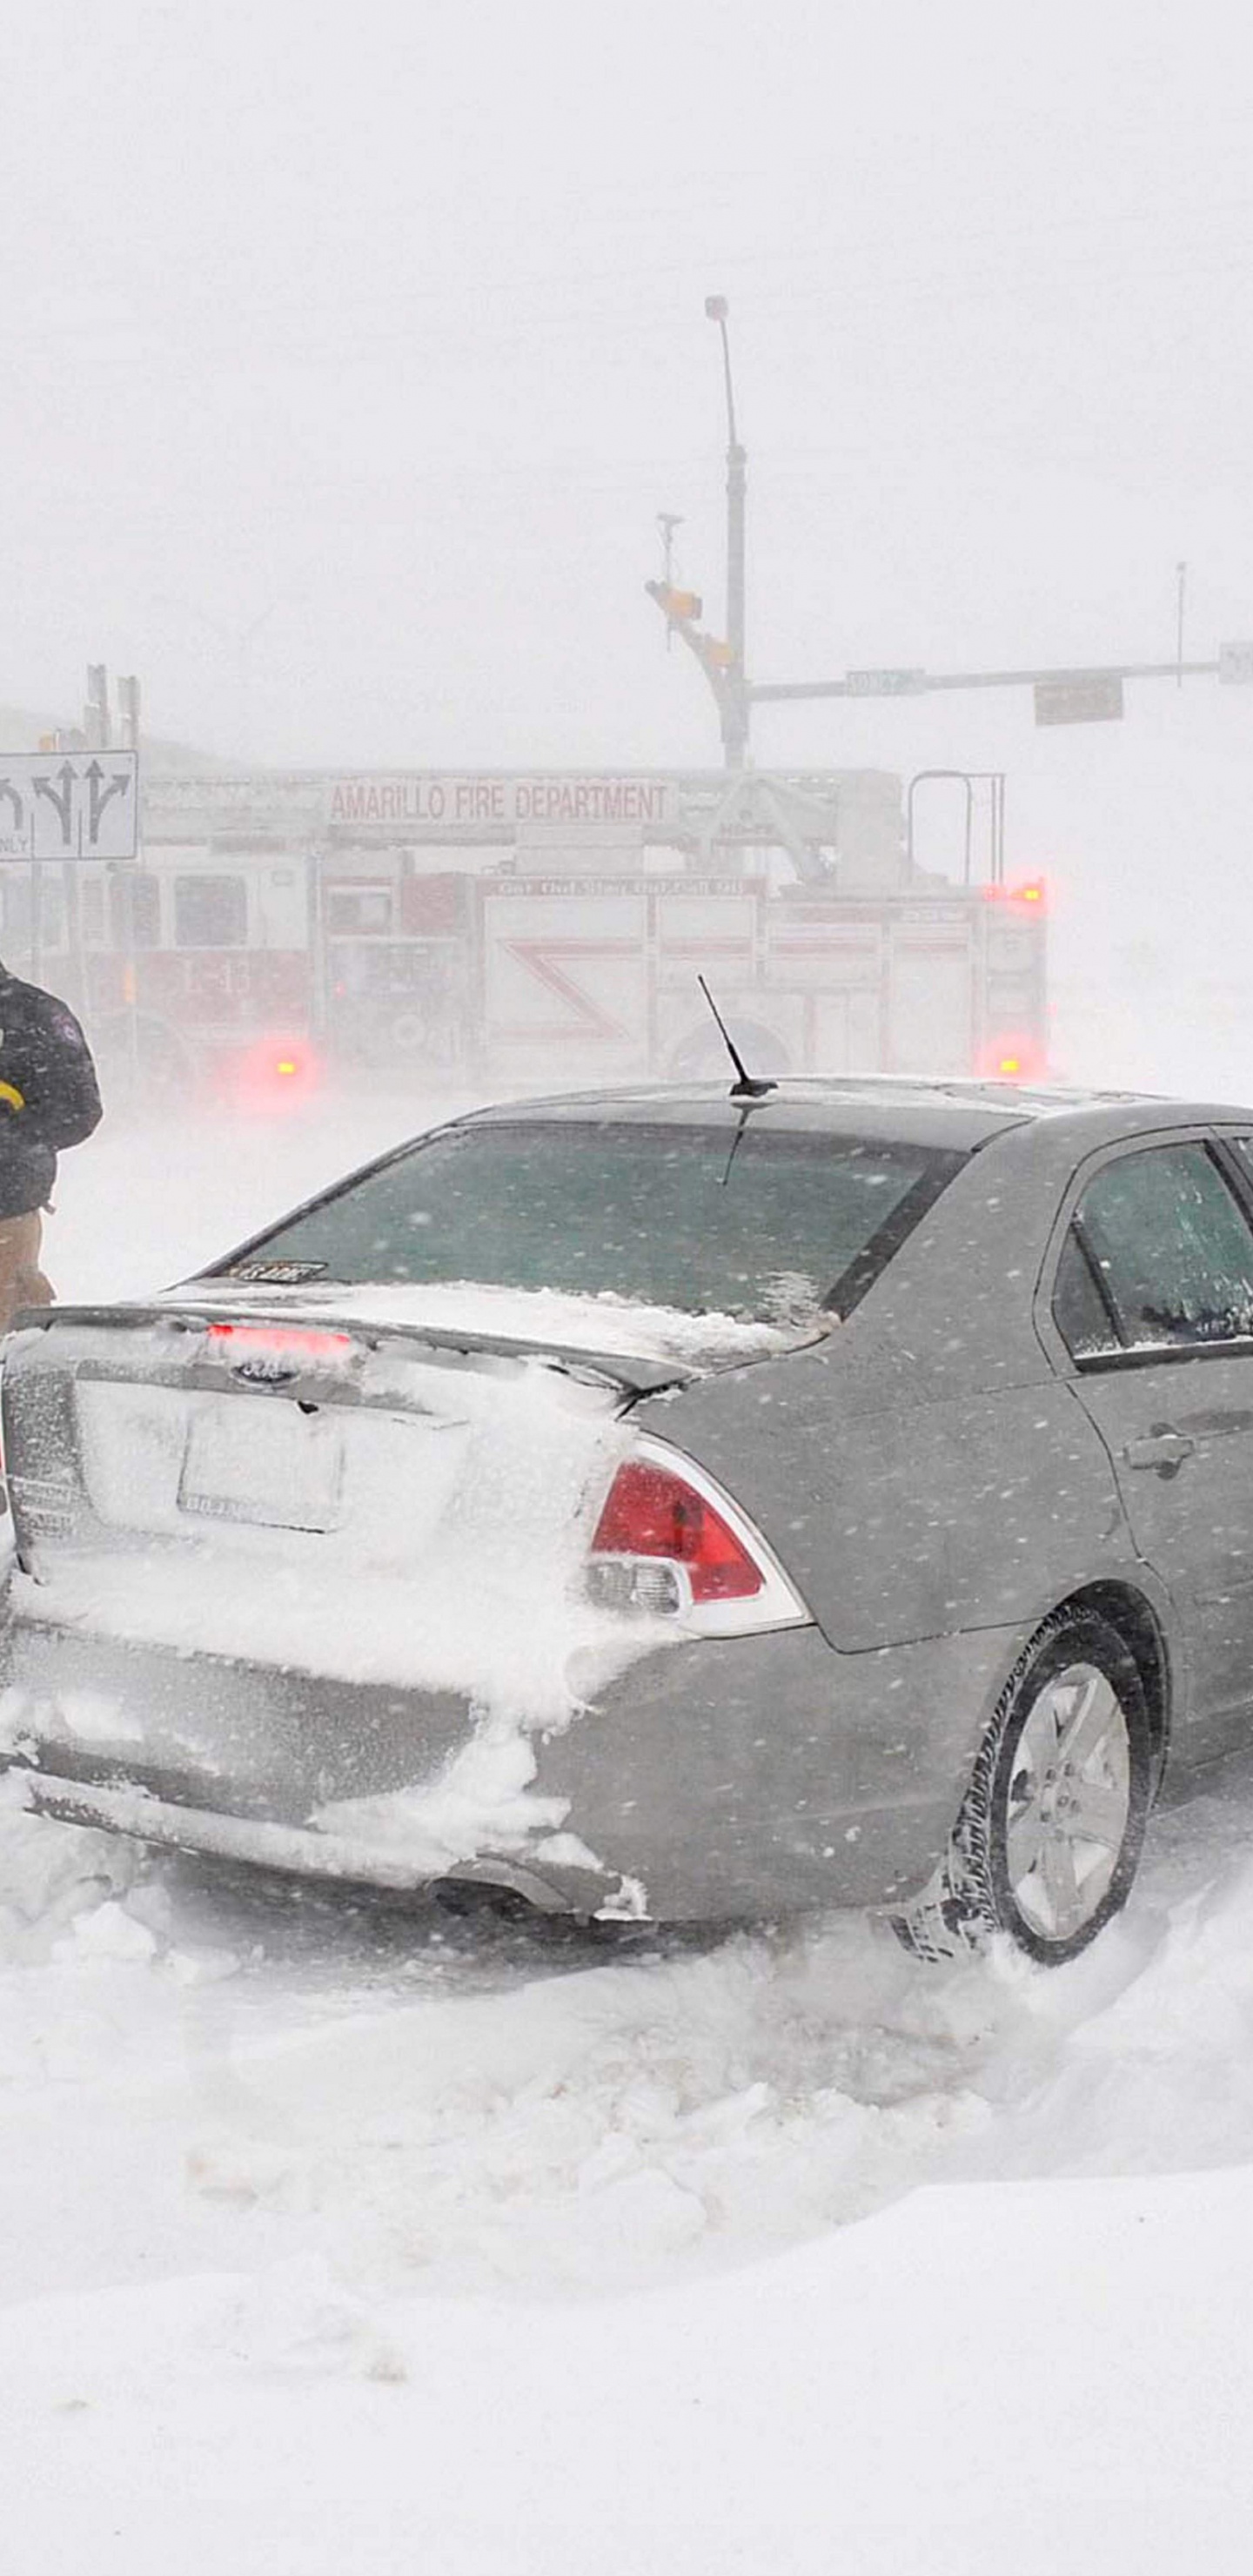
973, 1894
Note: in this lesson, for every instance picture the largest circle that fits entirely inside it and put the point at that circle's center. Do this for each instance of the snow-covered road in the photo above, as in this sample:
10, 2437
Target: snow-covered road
343, 2237
443, 2108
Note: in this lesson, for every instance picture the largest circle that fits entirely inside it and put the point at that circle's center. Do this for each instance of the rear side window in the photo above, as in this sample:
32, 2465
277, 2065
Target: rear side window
1079, 1310
1168, 1253
747, 1221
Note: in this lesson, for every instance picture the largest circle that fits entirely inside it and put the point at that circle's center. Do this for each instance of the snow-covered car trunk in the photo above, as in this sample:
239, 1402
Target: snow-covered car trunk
329, 1570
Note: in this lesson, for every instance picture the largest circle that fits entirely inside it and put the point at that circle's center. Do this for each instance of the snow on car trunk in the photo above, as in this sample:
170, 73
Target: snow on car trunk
373, 1499
433, 1545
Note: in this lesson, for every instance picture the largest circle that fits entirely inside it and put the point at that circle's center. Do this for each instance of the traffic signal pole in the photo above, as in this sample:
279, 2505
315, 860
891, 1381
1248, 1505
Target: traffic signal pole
1072, 695
919, 684
734, 697
736, 705
722, 658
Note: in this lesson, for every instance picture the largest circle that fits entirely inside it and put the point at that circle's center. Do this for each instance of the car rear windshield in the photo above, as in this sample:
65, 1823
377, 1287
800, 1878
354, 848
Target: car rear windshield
770, 1226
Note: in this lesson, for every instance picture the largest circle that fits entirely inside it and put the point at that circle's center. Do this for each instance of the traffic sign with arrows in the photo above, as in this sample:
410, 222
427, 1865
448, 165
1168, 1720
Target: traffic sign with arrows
69, 805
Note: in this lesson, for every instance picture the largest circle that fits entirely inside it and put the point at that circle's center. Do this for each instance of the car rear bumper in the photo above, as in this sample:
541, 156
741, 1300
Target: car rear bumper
717, 1780
120, 1808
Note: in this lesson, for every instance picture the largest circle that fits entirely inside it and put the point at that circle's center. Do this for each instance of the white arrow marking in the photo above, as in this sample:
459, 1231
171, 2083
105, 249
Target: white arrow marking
117, 786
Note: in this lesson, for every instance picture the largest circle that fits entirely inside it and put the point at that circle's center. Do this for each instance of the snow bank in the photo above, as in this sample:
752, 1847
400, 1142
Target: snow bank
420, 2235
49, 1875
985, 2378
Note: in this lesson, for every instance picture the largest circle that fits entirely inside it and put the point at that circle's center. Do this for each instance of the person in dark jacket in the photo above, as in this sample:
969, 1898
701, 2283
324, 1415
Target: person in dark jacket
48, 1100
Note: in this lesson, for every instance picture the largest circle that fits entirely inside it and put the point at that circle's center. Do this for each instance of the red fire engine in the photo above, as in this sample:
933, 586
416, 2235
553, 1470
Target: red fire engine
549, 925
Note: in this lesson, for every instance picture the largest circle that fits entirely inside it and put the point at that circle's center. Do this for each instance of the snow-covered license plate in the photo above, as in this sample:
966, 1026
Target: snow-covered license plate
256, 1458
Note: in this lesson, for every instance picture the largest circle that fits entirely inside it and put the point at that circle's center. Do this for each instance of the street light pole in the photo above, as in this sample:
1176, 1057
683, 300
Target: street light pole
735, 702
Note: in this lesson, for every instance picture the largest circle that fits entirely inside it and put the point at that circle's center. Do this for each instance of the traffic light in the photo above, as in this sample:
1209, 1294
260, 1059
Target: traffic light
682, 607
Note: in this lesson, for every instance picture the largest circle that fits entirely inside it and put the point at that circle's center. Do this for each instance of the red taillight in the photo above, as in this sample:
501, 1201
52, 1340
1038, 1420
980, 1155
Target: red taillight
1032, 891
650, 1512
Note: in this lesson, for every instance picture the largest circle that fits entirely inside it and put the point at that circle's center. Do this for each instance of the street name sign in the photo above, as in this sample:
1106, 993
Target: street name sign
1235, 661
1091, 698
69, 804
885, 684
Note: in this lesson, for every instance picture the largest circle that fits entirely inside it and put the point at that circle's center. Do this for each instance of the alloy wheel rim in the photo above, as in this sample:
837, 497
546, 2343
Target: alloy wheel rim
1068, 1802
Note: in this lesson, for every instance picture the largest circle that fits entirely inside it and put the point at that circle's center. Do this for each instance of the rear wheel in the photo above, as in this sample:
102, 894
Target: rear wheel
1049, 1836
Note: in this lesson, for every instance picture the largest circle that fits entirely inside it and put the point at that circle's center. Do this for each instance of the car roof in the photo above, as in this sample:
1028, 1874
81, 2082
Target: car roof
948, 1114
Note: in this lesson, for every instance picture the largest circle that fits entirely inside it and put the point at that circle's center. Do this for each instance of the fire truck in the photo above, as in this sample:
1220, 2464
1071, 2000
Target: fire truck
545, 925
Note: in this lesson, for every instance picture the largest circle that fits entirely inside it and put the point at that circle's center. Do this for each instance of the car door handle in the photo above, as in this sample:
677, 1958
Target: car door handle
1163, 1449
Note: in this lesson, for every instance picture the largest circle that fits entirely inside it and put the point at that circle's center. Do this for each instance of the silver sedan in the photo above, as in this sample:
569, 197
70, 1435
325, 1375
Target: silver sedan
669, 1505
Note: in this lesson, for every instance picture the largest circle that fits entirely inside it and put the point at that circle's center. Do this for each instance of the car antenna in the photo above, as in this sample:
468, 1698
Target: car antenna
748, 1086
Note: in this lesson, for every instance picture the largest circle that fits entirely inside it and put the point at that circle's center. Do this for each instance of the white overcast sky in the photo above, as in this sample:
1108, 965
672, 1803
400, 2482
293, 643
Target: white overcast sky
383, 326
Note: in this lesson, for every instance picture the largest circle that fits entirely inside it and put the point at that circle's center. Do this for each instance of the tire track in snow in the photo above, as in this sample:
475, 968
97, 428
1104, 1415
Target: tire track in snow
202, 2075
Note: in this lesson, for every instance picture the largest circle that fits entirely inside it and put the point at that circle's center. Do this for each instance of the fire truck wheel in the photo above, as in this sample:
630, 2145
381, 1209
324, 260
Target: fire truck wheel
408, 1034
